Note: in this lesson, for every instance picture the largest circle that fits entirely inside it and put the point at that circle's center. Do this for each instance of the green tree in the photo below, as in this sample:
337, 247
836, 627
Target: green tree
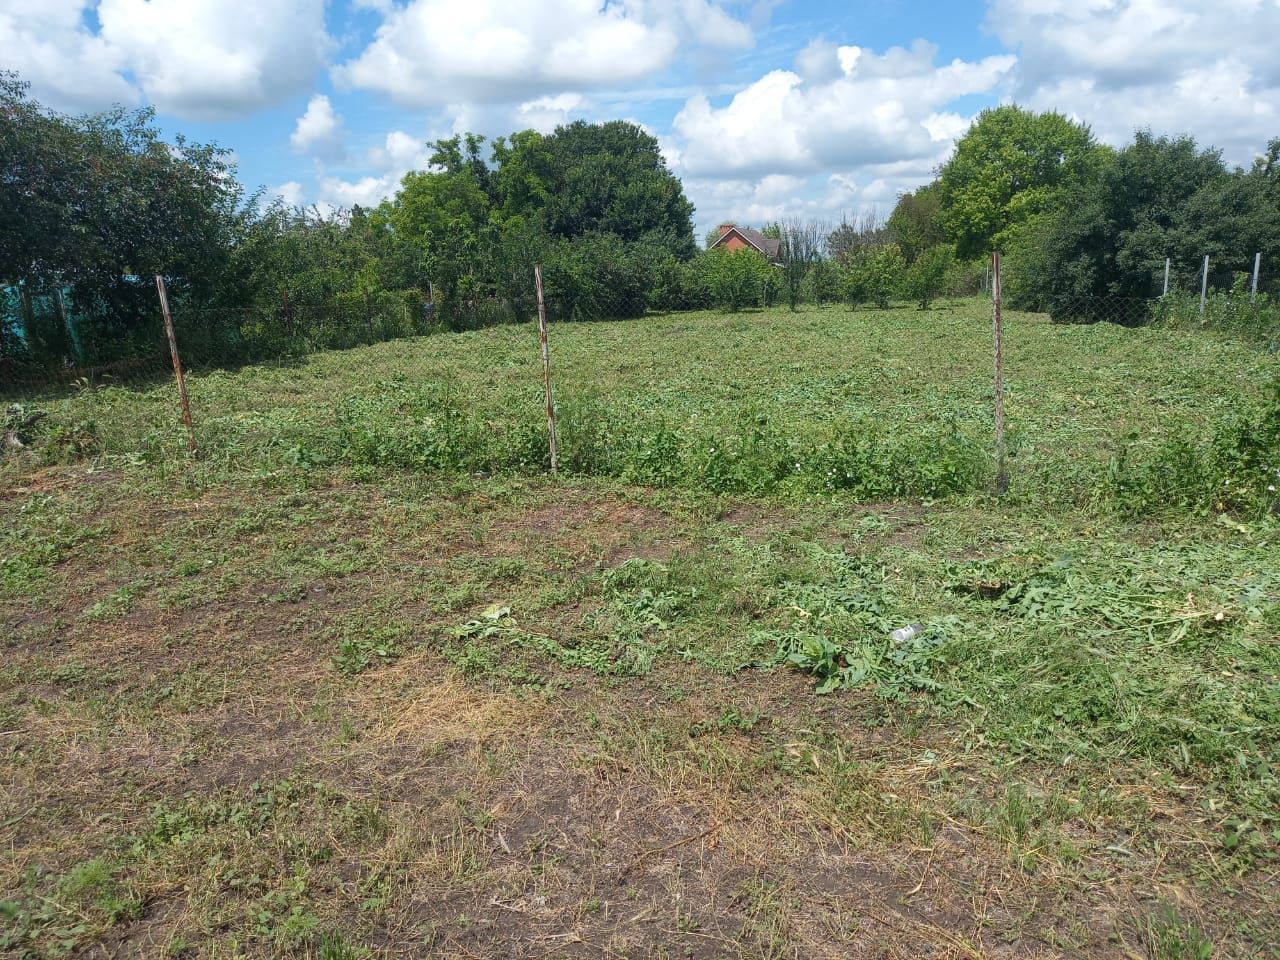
1111, 239
95, 202
612, 178
736, 278
800, 247
915, 224
822, 283
1010, 165
883, 269
926, 278
446, 215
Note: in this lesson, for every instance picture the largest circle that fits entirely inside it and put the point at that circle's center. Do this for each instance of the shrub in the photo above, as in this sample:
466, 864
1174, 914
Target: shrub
738, 278
926, 279
821, 284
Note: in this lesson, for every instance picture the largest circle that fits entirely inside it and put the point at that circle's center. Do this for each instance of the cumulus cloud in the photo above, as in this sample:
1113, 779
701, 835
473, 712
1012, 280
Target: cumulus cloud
1205, 67
68, 67
210, 59
439, 52
870, 108
290, 192
399, 153
319, 131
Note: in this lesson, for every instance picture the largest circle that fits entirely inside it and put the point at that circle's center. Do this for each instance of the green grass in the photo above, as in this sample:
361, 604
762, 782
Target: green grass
364, 680
880, 403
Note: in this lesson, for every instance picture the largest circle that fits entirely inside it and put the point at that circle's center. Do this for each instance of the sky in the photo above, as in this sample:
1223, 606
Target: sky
766, 109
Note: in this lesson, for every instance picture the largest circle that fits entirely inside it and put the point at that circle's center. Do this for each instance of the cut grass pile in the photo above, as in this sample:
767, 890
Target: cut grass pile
294, 699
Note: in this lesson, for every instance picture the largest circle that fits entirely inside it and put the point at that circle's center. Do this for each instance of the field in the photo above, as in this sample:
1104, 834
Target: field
364, 680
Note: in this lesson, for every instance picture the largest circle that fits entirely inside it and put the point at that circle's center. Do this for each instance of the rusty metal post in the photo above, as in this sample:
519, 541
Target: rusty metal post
546, 370
177, 364
997, 346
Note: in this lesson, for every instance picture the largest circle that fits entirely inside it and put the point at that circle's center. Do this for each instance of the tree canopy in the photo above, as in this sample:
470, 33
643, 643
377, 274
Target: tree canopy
1011, 165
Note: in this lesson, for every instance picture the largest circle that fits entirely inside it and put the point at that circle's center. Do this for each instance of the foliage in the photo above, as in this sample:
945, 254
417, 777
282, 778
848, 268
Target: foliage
1011, 164
94, 203
800, 248
1161, 197
737, 278
822, 283
915, 224
1235, 470
854, 236
926, 279
881, 271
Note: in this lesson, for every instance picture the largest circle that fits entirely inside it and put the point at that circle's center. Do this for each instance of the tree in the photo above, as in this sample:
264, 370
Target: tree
862, 232
822, 283
925, 279
446, 215
736, 278
1010, 165
915, 224
94, 202
883, 268
1110, 240
800, 246
612, 178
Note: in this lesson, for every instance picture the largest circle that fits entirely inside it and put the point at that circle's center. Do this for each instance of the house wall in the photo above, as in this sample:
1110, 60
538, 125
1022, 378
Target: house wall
734, 242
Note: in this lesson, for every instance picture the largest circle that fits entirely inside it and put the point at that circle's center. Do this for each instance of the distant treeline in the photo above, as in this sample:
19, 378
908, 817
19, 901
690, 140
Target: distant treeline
1083, 225
92, 207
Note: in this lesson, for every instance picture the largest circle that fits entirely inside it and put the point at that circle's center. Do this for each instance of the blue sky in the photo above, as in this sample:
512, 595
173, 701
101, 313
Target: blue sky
765, 108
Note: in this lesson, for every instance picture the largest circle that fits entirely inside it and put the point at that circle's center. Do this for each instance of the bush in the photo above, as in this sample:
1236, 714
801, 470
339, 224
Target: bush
821, 284
596, 277
738, 278
874, 274
926, 279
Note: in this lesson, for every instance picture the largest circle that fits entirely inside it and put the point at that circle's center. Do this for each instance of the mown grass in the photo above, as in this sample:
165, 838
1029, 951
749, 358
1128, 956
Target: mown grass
358, 683
882, 404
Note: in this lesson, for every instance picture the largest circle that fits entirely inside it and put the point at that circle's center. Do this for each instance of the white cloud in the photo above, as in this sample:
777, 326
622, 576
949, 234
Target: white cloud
1204, 67
365, 191
440, 52
873, 109
212, 59
68, 67
319, 131
401, 151
547, 113
290, 192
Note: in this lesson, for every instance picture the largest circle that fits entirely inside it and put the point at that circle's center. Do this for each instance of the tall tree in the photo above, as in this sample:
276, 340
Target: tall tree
915, 224
1111, 239
612, 178
800, 248
1012, 164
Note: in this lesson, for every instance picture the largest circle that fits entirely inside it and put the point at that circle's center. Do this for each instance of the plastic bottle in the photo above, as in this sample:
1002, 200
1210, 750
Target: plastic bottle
909, 632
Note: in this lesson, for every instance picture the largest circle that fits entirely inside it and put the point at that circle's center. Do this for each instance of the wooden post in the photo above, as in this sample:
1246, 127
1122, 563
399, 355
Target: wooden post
177, 364
997, 346
1204, 286
1257, 266
1166, 278
546, 369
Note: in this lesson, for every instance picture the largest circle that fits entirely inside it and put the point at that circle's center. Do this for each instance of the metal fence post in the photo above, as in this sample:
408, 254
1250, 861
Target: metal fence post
997, 348
1204, 286
546, 370
1166, 278
177, 364
1257, 266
